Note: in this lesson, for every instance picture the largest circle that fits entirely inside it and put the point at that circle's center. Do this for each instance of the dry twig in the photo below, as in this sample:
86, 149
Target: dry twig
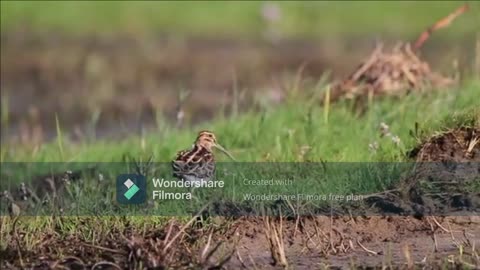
444, 22
366, 249
274, 236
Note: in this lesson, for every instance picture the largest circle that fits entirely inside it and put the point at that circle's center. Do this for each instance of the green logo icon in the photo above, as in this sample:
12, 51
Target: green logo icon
132, 189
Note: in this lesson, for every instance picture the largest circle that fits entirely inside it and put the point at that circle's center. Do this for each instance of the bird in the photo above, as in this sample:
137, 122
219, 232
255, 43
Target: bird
198, 163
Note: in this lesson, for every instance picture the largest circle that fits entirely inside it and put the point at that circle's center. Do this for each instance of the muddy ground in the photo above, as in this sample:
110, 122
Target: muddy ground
308, 243
118, 85
361, 241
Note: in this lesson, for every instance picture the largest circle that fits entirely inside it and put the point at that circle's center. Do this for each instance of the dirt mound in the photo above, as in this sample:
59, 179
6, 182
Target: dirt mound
398, 71
446, 177
458, 145
391, 73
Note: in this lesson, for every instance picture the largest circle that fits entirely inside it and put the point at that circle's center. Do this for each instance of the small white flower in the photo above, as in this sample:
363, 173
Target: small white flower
384, 129
396, 140
373, 146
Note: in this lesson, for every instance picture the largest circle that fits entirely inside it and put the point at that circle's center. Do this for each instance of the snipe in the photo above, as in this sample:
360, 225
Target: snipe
198, 162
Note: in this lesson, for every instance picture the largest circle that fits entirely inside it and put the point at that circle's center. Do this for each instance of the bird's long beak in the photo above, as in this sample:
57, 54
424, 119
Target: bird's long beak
219, 147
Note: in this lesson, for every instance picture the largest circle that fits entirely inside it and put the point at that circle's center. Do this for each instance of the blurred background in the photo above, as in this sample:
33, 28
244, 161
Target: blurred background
111, 69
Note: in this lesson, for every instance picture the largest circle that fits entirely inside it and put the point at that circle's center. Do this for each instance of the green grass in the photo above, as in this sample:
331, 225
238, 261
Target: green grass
279, 133
313, 19
293, 132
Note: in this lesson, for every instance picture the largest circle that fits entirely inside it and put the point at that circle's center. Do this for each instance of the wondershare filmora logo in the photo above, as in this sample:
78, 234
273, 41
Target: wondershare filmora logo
131, 189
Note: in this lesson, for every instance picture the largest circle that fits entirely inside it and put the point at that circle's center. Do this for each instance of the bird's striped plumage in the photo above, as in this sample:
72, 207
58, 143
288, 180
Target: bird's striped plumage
198, 162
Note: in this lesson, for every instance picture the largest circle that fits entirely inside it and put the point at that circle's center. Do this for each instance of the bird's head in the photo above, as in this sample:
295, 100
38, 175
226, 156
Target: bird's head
208, 141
